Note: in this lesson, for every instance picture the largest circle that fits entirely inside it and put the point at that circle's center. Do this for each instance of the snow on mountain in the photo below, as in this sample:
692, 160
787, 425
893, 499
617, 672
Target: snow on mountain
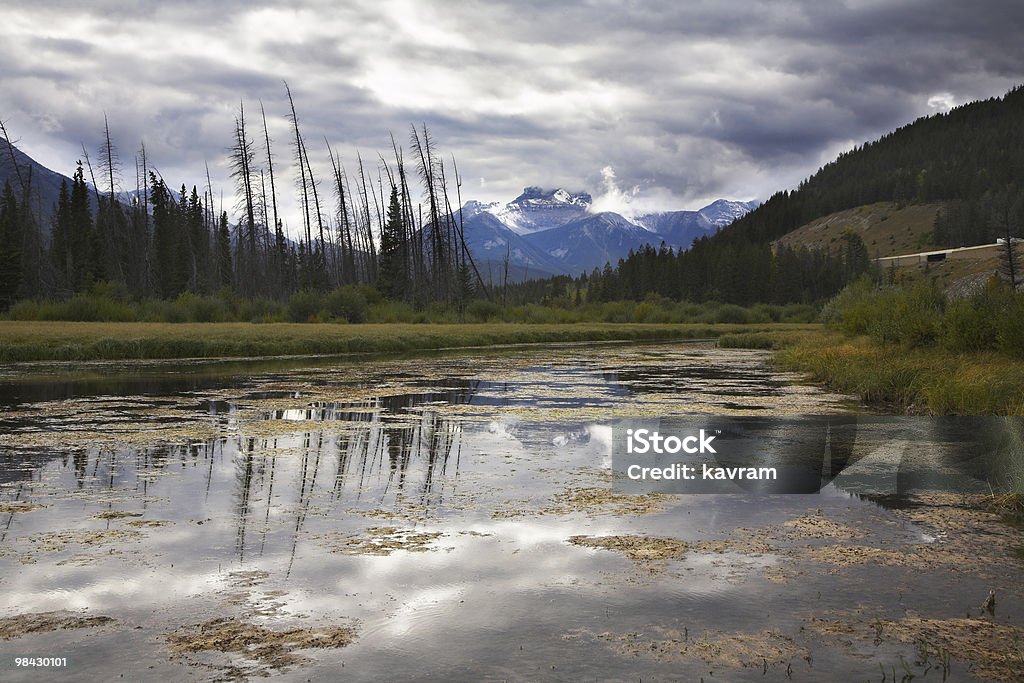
536, 209
491, 242
681, 228
722, 212
591, 241
547, 232
677, 228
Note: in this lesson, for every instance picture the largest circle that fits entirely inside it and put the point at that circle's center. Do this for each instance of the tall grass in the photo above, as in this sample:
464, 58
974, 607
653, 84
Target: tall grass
33, 340
923, 380
106, 302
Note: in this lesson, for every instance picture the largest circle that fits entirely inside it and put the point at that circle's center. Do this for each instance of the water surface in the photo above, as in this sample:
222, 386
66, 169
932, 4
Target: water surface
455, 513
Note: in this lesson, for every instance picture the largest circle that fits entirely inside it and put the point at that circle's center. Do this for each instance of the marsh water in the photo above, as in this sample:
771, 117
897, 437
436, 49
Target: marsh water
450, 517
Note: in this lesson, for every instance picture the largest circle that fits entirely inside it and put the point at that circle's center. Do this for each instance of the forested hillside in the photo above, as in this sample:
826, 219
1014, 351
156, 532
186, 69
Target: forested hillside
971, 158
396, 227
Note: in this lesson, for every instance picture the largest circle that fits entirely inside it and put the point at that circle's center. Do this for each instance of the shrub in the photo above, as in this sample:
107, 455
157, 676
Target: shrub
763, 313
261, 311
854, 309
348, 303
391, 312
727, 313
973, 324
798, 313
1010, 328
201, 309
481, 310
617, 312
304, 306
24, 310
911, 317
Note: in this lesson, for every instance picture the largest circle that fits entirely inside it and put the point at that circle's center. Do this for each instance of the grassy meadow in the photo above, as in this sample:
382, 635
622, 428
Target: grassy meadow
81, 341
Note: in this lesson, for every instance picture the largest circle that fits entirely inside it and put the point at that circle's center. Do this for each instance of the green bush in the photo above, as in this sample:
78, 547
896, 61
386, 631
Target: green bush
261, 311
912, 317
688, 312
348, 303
482, 311
855, 308
973, 324
727, 313
763, 313
798, 313
392, 312
617, 312
92, 308
1010, 328
25, 310
200, 309
305, 306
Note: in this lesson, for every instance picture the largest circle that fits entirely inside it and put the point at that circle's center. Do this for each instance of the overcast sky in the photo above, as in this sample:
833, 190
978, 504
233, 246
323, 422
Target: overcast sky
663, 105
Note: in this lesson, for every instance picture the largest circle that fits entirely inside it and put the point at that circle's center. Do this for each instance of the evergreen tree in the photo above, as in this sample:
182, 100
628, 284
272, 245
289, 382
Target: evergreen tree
80, 231
224, 270
10, 247
61, 249
392, 277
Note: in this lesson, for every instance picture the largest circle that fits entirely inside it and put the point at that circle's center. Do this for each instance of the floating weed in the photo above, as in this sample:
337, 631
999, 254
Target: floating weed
381, 541
40, 622
273, 650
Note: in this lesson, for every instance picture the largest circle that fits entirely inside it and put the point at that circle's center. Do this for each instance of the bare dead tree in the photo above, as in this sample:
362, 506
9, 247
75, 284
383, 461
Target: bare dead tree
108, 158
371, 249
270, 166
346, 268
467, 256
241, 163
303, 185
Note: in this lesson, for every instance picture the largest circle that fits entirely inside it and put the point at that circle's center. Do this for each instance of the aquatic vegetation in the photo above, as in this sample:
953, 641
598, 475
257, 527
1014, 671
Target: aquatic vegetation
24, 624
272, 649
382, 540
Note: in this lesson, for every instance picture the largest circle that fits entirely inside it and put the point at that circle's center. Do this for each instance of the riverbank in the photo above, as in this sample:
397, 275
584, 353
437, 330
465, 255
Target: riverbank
81, 341
918, 381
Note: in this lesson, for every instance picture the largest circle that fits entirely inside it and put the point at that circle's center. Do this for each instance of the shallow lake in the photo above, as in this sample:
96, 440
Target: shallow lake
451, 517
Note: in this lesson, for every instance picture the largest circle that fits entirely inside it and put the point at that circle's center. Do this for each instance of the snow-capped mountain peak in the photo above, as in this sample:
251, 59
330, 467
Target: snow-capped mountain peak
556, 231
538, 209
722, 212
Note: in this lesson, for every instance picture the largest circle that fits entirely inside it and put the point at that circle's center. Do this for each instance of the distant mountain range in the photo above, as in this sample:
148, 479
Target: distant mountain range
554, 232
45, 183
542, 232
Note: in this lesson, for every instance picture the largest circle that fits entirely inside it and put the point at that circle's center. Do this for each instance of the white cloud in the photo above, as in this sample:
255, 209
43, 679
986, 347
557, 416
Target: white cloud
942, 102
685, 102
614, 198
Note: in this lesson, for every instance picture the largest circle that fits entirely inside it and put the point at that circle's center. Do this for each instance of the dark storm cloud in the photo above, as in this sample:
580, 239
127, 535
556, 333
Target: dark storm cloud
685, 101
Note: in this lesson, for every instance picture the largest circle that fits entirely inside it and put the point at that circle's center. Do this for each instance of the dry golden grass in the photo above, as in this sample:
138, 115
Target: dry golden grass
886, 228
